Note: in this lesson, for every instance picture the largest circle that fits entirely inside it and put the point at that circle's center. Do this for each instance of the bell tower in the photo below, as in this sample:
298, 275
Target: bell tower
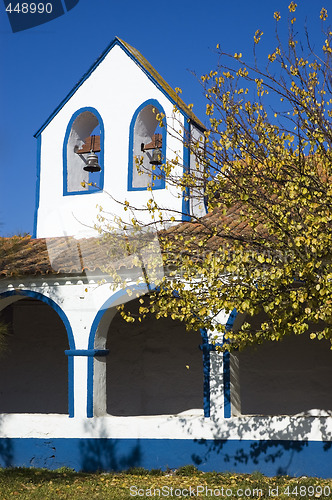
118, 115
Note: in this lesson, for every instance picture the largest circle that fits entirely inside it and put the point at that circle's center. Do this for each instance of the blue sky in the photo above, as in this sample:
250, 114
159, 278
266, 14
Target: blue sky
39, 67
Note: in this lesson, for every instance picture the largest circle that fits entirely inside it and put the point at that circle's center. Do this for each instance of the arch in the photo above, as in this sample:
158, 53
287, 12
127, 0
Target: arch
80, 126
98, 336
113, 301
36, 365
48, 301
177, 343
141, 130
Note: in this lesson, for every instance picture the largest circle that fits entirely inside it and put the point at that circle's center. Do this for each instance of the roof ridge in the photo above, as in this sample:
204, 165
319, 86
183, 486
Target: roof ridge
150, 71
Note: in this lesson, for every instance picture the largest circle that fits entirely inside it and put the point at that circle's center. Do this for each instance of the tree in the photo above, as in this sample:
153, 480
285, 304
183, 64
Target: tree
265, 247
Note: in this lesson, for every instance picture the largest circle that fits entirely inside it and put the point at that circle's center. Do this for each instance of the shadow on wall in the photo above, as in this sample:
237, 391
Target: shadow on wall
287, 452
6, 450
105, 454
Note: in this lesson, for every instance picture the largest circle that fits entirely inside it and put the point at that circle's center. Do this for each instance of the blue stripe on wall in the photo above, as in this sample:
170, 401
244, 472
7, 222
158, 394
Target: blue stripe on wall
37, 195
227, 385
295, 458
227, 370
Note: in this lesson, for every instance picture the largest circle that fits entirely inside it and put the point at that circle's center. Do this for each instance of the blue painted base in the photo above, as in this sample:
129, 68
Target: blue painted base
295, 458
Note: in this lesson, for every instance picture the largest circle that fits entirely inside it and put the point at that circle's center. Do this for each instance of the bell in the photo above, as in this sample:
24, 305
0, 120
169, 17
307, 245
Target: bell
156, 157
92, 163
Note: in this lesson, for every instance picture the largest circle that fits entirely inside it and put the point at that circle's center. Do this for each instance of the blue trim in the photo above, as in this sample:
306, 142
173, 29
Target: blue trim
227, 385
87, 352
71, 408
71, 341
89, 401
158, 183
91, 190
227, 370
51, 303
231, 319
116, 41
206, 348
270, 457
186, 169
37, 195
110, 303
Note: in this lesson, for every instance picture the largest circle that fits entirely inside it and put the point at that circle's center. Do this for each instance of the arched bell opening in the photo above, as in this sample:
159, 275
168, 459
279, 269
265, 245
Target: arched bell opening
33, 365
154, 367
147, 147
83, 153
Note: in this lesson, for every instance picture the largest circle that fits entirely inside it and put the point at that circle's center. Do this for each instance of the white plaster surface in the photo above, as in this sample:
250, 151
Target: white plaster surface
167, 427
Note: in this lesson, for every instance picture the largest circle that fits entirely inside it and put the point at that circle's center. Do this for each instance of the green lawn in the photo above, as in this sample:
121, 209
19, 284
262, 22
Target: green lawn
184, 483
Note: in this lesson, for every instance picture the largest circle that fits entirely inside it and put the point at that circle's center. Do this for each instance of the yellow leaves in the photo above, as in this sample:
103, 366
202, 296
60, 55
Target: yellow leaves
302, 62
292, 7
272, 57
228, 75
178, 90
209, 109
242, 72
238, 55
327, 47
277, 16
258, 35
323, 14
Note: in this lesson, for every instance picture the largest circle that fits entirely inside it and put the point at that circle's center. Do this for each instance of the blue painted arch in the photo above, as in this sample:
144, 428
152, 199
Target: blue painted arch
49, 302
77, 113
70, 336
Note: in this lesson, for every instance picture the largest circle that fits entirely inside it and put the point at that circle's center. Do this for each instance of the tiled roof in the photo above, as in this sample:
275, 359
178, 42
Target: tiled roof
21, 256
214, 229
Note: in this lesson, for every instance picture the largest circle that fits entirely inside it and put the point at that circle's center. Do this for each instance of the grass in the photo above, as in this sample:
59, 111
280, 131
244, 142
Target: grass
142, 484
